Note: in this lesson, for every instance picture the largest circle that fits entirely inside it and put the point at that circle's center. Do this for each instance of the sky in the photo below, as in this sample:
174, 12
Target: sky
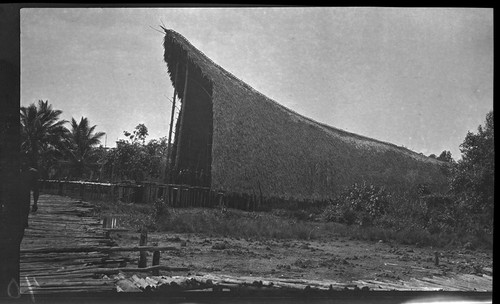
420, 78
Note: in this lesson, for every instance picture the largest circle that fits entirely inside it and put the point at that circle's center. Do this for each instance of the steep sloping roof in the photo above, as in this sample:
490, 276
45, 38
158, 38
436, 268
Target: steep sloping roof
259, 144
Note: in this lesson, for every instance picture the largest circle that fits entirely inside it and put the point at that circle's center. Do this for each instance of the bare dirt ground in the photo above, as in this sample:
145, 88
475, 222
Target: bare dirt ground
339, 259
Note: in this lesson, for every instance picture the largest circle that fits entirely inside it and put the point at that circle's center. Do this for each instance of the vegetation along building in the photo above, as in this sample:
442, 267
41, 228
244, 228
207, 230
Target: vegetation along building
234, 139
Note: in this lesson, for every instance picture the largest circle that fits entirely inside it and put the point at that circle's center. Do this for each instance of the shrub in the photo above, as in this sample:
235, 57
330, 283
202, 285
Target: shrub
441, 213
160, 209
360, 204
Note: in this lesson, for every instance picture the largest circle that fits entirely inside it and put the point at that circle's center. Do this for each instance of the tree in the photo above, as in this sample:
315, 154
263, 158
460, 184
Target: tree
156, 151
79, 145
126, 161
445, 156
133, 159
41, 131
139, 134
474, 175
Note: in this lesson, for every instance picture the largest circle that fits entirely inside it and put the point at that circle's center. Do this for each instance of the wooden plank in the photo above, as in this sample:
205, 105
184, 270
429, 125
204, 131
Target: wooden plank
146, 269
97, 270
72, 289
80, 283
63, 275
151, 281
126, 285
140, 283
97, 249
462, 282
60, 220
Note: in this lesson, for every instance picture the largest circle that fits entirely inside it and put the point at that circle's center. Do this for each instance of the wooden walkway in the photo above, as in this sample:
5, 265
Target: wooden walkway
64, 222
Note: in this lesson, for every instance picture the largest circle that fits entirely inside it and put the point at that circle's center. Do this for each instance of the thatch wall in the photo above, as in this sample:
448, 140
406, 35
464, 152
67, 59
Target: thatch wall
259, 145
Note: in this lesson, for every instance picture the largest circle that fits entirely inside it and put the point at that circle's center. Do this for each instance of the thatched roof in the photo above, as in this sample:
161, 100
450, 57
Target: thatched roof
258, 143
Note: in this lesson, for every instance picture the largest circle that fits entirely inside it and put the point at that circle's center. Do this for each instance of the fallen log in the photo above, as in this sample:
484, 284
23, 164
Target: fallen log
108, 271
141, 283
151, 281
96, 248
82, 284
63, 275
126, 286
58, 257
72, 289
146, 269
63, 271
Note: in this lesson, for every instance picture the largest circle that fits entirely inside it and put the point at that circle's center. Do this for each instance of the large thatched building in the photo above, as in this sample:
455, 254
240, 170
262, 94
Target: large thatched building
240, 141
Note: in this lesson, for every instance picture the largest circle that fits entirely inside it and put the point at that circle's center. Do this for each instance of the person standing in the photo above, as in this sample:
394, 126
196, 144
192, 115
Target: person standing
29, 183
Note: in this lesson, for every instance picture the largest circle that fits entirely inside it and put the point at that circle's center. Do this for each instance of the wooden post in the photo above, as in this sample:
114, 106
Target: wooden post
166, 195
185, 197
259, 205
181, 123
156, 261
82, 190
167, 166
181, 197
171, 193
143, 259
178, 198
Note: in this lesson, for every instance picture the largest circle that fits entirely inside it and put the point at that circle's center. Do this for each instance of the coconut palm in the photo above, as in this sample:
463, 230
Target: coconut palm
41, 131
79, 145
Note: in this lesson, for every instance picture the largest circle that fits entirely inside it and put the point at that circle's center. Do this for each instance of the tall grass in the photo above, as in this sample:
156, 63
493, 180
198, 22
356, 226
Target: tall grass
405, 221
242, 224
262, 225
131, 216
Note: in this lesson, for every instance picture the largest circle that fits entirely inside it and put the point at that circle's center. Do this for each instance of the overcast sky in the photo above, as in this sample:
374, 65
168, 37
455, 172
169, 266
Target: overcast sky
420, 78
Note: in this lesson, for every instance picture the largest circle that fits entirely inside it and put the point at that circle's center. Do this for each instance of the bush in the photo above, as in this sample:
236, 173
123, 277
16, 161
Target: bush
360, 204
441, 213
415, 217
160, 209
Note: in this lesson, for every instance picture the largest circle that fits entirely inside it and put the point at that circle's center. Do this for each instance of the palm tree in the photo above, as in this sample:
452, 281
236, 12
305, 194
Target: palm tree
80, 141
41, 130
